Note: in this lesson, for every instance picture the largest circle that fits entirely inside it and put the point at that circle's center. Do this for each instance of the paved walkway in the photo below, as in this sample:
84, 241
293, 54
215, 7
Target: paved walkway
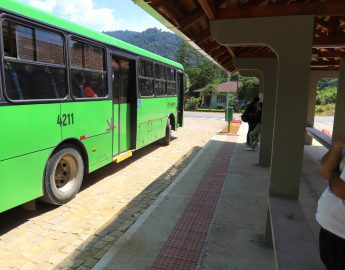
78, 234
179, 231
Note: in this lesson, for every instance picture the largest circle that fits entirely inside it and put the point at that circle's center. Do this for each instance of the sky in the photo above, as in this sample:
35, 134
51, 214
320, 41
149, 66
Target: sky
100, 15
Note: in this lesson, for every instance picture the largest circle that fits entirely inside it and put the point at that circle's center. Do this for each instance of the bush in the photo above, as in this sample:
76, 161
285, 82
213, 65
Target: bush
220, 106
192, 104
327, 109
326, 96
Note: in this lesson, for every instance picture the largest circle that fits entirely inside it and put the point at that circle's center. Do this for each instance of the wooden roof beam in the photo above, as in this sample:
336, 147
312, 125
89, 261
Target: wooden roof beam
191, 18
225, 59
324, 63
331, 7
230, 51
208, 8
329, 53
202, 36
329, 42
220, 51
211, 46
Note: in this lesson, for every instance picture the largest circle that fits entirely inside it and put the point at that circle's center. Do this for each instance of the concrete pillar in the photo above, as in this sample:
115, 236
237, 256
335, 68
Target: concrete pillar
268, 69
293, 49
339, 116
315, 77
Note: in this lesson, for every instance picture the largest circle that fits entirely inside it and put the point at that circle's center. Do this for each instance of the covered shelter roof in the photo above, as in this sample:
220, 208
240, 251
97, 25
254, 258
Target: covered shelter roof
190, 18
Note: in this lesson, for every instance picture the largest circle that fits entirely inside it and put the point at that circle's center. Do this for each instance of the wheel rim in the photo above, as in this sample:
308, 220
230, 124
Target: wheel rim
65, 173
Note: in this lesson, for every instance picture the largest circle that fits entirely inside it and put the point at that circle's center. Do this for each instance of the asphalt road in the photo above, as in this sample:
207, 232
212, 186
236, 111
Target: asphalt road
320, 122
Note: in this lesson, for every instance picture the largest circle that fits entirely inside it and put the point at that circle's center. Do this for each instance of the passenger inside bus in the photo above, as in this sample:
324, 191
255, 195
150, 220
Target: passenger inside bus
84, 91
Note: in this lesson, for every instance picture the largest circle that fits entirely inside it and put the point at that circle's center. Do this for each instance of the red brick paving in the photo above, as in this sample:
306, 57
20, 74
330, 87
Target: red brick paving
185, 244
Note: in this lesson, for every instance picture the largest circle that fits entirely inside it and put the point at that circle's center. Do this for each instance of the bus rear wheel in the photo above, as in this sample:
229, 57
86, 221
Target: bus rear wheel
63, 176
167, 138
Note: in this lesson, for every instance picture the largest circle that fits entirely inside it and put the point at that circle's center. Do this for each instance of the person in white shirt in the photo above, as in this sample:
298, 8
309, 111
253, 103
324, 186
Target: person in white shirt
331, 207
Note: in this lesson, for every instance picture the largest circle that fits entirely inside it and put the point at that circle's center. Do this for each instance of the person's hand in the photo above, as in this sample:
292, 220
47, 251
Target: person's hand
340, 141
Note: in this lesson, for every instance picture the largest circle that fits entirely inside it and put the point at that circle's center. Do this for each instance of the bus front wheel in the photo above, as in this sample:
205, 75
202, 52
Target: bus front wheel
63, 176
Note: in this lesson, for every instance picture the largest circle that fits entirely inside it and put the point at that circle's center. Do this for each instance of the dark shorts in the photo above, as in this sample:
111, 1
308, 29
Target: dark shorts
332, 250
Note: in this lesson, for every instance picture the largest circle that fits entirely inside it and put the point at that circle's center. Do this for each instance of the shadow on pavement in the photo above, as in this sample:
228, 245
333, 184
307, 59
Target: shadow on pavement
17, 216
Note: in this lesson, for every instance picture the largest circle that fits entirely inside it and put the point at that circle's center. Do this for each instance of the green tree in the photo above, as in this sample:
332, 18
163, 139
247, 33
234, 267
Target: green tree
248, 90
326, 96
199, 69
208, 91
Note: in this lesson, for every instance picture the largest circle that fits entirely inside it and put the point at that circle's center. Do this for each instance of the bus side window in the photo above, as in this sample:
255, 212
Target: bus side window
33, 80
146, 79
87, 61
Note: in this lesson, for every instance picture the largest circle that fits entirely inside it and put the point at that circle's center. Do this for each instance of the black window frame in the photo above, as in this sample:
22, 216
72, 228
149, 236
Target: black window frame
104, 72
160, 80
32, 24
140, 77
172, 81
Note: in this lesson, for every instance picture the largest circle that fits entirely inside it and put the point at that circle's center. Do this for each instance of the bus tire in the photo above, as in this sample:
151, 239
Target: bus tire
63, 176
167, 138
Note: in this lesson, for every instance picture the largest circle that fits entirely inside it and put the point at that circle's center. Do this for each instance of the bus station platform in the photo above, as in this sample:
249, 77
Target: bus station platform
213, 215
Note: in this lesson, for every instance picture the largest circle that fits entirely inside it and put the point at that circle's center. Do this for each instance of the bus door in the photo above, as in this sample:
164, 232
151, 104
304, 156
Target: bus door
180, 99
122, 80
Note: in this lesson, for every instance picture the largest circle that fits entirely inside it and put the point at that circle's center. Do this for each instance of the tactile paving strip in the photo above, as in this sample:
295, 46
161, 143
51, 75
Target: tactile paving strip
184, 245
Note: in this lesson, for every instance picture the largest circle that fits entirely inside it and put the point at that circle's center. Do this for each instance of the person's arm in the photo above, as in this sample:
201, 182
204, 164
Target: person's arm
337, 185
330, 168
330, 161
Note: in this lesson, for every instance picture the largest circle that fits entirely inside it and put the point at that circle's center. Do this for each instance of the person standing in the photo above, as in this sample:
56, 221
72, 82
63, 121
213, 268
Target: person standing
331, 207
255, 133
251, 112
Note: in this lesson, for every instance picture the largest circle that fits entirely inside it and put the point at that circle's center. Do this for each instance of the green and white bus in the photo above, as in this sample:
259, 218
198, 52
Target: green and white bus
73, 100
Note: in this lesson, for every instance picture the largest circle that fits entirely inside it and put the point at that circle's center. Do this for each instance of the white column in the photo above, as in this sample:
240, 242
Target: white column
339, 116
268, 68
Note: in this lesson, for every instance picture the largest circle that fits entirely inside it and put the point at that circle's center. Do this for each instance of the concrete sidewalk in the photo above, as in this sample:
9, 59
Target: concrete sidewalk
230, 238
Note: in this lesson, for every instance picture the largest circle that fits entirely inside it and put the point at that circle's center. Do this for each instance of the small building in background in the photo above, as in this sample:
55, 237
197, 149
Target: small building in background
219, 98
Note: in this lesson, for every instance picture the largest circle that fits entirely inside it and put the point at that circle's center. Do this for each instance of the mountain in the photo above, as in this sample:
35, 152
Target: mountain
153, 39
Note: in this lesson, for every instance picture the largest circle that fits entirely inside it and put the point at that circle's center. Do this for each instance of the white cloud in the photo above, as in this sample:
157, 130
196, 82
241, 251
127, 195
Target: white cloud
80, 11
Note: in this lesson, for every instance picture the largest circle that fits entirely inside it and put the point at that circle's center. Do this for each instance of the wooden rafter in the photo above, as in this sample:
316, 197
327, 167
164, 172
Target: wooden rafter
208, 8
330, 7
230, 51
211, 46
191, 19
328, 54
220, 51
325, 63
335, 41
202, 36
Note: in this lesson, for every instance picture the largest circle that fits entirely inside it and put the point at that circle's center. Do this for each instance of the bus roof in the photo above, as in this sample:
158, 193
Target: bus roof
45, 17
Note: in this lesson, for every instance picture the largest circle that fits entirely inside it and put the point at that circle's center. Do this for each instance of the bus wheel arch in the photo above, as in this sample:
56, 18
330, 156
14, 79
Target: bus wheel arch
64, 173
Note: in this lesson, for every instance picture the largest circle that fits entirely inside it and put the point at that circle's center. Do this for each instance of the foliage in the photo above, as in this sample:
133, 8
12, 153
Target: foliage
249, 89
234, 102
192, 104
326, 83
326, 96
325, 110
220, 106
200, 70
188, 56
153, 39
